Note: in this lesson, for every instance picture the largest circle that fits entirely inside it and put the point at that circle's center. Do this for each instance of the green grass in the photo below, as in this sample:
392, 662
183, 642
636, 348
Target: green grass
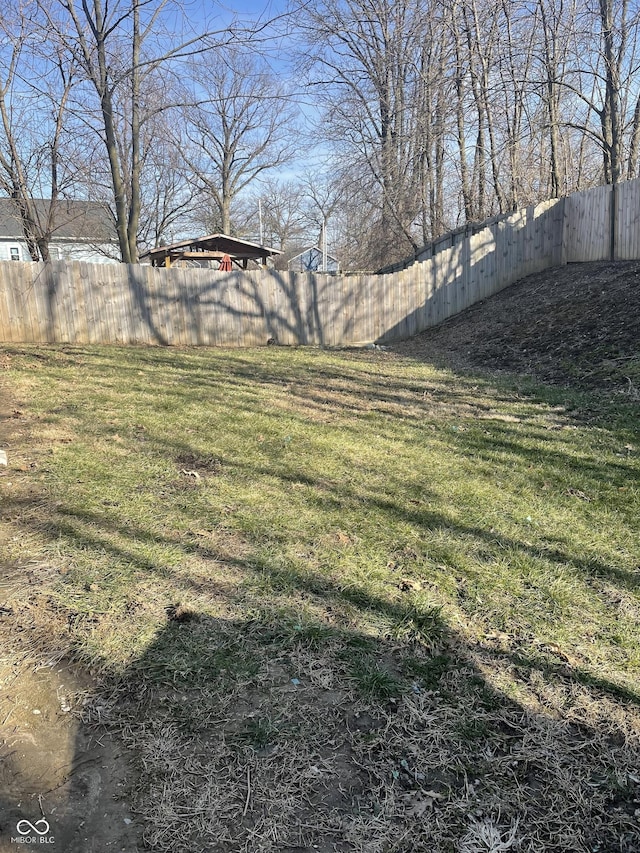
372, 680
353, 529
325, 480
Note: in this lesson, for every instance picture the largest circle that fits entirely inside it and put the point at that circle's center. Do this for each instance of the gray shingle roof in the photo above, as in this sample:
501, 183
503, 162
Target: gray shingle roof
79, 221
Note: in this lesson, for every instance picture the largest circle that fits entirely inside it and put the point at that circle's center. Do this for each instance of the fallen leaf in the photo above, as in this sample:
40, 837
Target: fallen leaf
407, 585
554, 649
426, 801
577, 493
499, 639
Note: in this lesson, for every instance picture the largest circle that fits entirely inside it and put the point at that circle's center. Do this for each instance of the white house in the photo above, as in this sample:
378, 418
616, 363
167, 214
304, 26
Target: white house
311, 260
82, 231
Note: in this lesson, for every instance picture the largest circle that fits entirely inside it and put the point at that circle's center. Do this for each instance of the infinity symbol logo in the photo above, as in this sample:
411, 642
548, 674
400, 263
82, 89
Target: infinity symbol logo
24, 827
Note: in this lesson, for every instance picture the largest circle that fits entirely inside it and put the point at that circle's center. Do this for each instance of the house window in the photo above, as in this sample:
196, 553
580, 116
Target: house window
54, 253
14, 253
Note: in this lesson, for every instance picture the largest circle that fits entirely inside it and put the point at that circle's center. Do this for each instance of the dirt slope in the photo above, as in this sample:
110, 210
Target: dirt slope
578, 325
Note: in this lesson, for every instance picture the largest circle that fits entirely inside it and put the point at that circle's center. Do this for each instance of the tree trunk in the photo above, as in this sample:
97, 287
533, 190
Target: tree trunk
460, 89
611, 119
133, 219
634, 148
550, 62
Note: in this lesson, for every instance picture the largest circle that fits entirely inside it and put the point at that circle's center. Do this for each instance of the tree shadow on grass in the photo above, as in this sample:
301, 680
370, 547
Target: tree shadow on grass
282, 732
299, 729
93, 529
349, 721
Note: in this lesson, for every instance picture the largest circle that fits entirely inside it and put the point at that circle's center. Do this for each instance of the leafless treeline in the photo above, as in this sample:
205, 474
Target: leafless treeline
452, 110
425, 113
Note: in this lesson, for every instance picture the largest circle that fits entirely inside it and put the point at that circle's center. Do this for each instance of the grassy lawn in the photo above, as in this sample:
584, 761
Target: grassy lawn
341, 599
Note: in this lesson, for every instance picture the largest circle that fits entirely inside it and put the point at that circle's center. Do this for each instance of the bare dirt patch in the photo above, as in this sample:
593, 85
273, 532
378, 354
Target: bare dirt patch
55, 766
576, 325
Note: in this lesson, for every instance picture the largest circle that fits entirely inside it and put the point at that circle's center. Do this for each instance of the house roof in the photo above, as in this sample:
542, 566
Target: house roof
213, 246
310, 257
310, 249
72, 220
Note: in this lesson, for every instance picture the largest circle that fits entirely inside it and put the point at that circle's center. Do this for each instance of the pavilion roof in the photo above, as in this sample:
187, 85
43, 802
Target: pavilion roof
210, 247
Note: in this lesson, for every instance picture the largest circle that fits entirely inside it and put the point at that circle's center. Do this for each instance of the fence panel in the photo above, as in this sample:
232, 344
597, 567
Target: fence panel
588, 236
628, 221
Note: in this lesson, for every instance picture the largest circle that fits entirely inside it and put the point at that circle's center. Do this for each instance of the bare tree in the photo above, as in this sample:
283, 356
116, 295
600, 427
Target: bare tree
499, 104
433, 118
324, 192
106, 42
619, 28
604, 42
433, 111
168, 202
34, 92
460, 62
124, 48
553, 63
364, 65
282, 205
237, 127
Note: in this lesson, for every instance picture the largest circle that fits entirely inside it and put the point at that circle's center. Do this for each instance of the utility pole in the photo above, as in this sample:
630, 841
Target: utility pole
324, 244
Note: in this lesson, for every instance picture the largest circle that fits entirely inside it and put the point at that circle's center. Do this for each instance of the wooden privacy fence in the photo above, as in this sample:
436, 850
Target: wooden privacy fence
603, 223
97, 303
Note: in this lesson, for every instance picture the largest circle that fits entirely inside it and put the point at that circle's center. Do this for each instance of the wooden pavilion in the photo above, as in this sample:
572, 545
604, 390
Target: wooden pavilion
201, 251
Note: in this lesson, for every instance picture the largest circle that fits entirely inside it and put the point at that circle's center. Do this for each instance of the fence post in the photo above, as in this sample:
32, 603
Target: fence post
613, 220
564, 229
